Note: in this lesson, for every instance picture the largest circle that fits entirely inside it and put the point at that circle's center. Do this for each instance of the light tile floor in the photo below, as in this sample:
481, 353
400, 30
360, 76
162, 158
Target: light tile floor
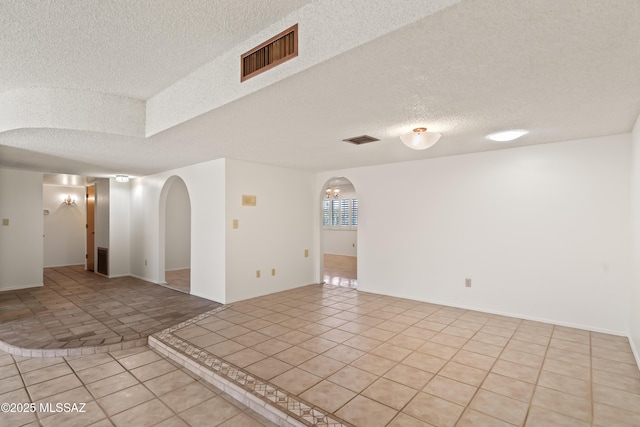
134, 387
322, 353
180, 280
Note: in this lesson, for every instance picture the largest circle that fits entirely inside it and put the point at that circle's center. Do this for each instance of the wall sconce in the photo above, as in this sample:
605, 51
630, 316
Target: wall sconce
420, 139
69, 201
332, 192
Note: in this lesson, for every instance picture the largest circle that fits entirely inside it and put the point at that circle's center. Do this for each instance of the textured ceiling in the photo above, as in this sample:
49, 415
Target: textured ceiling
564, 70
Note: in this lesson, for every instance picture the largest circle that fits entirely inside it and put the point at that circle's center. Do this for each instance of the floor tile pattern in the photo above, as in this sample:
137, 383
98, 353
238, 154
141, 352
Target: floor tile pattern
133, 387
77, 312
328, 355
180, 280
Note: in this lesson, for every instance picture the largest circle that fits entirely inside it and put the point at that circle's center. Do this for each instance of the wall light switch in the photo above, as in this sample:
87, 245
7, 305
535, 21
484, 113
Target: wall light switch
273, 271
257, 274
306, 253
235, 223
5, 221
467, 282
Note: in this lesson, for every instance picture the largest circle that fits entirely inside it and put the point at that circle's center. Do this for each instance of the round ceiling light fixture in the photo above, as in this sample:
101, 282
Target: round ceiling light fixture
420, 139
507, 135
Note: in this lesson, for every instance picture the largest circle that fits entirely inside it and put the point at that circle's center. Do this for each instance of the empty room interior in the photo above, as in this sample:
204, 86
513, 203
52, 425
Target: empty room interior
320, 213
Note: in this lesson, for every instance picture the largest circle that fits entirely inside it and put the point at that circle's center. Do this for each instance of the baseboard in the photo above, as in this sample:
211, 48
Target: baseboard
634, 349
508, 314
15, 288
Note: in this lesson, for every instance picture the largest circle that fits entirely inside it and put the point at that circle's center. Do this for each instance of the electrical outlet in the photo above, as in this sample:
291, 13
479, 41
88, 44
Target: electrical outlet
273, 271
467, 282
235, 223
306, 253
257, 274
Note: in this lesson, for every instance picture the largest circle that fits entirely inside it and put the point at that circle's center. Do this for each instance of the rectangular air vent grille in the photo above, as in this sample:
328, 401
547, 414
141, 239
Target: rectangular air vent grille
273, 52
358, 140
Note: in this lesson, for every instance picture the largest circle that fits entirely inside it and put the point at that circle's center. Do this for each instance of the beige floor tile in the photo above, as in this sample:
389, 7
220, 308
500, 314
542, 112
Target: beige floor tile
318, 345
390, 393
125, 399
618, 398
573, 347
424, 362
146, 414
490, 339
501, 407
451, 390
112, 384
391, 352
337, 335
74, 396
353, 378
244, 357
621, 382
187, 396
527, 359
472, 418
567, 369
569, 357
139, 359
573, 386
295, 355
406, 341
321, 366
362, 343
540, 417
463, 373
365, 412
615, 367
34, 363
343, 353
295, 337
295, 380
173, 421
418, 333
433, 410
47, 373
241, 420
403, 420
438, 350
100, 372
475, 360
192, 331
374, 364
268, 368
92, 414
54, 386
450, 340
509, 387
271, 346
409, 376
328, 396
378, 334
153, 369
8, 371
606, 416
516, 371
83, 362
11, 384
168, 382
206, 340
563, 403
225, 348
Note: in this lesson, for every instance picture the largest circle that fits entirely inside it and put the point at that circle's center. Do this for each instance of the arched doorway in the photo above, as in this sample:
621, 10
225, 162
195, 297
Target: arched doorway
339, 233
175, 235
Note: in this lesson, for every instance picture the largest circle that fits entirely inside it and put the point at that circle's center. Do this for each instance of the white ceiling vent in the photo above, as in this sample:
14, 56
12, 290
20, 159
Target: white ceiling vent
269, 54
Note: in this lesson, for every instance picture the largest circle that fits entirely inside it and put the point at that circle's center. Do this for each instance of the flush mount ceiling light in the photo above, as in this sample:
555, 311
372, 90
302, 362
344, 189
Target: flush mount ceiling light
420, 139
507, 135
122, 178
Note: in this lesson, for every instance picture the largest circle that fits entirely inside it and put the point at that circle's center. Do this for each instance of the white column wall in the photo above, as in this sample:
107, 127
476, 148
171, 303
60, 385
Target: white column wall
65, 232
634, 297
206, 186
21, 242
119, 228
272, 234
542, 231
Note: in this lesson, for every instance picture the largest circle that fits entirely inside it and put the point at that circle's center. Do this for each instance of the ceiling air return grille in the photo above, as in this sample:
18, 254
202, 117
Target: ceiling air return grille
359, 140
273, 52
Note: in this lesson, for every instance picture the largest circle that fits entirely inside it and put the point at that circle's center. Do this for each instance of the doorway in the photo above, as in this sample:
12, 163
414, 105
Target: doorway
176, 225
340, 210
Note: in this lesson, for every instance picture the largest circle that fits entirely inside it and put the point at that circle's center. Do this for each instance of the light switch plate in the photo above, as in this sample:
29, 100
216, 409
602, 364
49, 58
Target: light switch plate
5, 221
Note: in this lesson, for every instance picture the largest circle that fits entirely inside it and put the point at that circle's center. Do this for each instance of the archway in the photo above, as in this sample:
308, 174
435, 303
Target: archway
175, 235
339, 248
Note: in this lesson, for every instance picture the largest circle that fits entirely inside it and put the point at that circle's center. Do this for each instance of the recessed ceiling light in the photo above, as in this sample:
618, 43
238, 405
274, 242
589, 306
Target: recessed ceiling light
507, 135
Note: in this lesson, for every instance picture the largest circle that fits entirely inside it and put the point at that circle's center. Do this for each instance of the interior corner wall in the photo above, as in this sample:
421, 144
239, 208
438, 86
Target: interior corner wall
101, 213
634, 298
21, 242
178, 227
273, 234
119, 228
206, 186
64, 226
543, 231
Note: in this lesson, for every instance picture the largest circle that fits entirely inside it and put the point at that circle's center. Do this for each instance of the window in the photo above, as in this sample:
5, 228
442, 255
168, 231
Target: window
338, 213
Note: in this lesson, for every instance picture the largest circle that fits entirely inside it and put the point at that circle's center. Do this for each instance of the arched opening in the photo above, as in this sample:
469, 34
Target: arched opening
339, 247
175, 235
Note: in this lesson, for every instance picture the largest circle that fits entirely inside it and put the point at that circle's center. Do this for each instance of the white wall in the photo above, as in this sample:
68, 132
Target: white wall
206, 185
272, 234
543, 231
178, 227
21, 242
64, 226
119, 228
634, 328
101, 212
340, 242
